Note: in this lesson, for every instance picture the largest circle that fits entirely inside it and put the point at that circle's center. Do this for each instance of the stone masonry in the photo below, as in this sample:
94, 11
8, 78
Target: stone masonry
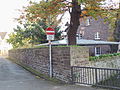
62, 59
111, 62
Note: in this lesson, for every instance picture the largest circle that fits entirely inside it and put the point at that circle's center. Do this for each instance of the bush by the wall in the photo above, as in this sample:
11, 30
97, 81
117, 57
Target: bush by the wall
95, 58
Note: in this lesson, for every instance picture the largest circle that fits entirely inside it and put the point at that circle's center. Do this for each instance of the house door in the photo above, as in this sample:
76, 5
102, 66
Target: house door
97, 51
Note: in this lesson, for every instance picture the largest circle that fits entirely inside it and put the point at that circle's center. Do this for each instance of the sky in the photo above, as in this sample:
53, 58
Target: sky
9, 11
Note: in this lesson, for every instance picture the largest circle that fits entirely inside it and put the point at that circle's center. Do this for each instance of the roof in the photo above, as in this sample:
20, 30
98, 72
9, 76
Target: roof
94, 42
2, 34
83, 42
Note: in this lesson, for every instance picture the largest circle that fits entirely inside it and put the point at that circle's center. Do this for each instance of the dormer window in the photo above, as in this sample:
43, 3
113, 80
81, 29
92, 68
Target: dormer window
87, 21
80, 34
97, 35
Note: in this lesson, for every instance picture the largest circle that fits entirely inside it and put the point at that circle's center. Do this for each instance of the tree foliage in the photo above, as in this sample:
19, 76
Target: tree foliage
52, 8
30, 34
42, 10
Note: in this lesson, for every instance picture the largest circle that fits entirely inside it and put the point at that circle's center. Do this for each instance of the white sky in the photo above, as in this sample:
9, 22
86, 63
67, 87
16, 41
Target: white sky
8, 11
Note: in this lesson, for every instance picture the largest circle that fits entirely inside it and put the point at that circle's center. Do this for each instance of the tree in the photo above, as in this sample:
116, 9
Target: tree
47, 11
16, 39
52, 8
117, 28
30, 34
116, 32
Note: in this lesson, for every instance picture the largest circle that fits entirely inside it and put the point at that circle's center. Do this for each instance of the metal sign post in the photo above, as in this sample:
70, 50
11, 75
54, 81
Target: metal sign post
50, 36
50, 58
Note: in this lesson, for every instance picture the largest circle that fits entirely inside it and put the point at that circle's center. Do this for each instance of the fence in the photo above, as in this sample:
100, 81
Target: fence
102, 77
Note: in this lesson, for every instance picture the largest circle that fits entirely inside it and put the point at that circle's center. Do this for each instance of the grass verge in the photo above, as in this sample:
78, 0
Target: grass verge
38, 74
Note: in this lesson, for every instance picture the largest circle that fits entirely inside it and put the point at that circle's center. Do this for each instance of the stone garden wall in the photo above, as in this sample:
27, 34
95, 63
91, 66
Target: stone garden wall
62, 59
111, 62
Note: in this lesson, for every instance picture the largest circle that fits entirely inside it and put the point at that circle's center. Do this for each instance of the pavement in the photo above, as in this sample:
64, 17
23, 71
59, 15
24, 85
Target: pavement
14, 77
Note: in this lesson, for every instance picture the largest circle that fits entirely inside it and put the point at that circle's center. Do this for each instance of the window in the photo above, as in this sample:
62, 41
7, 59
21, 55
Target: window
97, 51
87, 21
79, 36
97, 35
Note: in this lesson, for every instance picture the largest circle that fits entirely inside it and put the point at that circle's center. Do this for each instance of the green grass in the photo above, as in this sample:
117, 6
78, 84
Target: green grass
38, 74
57, 46
67, 46
39, 46
43, 46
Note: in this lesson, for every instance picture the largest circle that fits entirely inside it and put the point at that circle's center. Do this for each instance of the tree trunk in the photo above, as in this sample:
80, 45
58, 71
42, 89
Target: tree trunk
74, 22
117, 28
117, 31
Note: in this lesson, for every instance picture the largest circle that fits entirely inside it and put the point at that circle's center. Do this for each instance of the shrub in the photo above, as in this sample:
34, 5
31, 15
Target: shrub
95, 58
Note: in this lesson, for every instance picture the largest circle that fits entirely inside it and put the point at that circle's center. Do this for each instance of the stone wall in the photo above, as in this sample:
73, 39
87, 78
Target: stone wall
112, 62
62, 59
79, 57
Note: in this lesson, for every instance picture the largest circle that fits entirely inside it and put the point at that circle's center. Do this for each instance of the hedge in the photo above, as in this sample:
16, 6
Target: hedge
95, 58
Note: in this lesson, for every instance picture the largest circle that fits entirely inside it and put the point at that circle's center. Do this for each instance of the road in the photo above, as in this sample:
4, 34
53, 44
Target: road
14, 77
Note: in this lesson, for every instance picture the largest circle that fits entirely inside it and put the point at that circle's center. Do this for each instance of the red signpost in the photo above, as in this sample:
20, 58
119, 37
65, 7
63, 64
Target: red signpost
50, 32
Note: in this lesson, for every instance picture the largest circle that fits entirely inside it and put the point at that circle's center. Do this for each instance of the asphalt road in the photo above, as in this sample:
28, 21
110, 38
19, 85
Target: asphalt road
14, 77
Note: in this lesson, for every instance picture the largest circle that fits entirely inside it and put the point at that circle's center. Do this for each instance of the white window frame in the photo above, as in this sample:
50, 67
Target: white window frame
79, 36
87, 21
97, 52
97, 35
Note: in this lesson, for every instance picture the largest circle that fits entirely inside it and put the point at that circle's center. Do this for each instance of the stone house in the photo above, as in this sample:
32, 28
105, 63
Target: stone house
98, 30
4, 46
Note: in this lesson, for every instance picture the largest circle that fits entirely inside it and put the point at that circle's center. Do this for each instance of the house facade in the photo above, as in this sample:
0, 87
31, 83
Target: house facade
98, 30
4, 46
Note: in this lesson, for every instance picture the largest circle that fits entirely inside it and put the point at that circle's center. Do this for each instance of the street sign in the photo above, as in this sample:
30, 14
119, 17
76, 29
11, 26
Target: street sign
50, 37
50, 31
